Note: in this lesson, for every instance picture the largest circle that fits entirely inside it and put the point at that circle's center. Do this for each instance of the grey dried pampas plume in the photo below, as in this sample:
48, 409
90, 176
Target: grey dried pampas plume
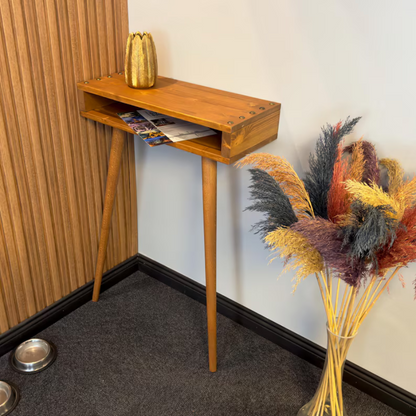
270, 200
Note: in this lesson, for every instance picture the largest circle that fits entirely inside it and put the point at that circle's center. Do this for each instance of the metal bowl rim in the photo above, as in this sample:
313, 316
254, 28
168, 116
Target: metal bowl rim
53, 352
4, 385
16, 392
39, 340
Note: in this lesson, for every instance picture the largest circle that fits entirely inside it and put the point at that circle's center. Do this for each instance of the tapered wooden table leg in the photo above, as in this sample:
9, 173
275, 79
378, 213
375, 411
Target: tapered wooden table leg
209, 191
117, 144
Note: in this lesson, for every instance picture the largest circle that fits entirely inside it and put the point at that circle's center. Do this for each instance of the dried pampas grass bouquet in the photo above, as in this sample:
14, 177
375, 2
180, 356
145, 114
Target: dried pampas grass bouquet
338, 223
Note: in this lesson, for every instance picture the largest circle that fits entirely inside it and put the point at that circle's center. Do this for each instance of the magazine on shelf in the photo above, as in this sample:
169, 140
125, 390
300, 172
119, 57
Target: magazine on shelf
156, 129
175, 129
144, 129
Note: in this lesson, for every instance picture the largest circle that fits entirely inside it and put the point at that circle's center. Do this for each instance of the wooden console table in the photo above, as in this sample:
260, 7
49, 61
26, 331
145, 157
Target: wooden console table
243, 124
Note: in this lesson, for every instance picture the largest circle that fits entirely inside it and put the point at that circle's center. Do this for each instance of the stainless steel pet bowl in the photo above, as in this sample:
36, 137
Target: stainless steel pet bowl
33, 356
9, 397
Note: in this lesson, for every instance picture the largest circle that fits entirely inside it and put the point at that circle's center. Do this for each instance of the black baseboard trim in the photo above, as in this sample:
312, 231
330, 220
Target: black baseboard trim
53, 313
374, 386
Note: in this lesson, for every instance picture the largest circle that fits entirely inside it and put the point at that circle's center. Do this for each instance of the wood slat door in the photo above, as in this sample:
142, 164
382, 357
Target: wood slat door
53, 163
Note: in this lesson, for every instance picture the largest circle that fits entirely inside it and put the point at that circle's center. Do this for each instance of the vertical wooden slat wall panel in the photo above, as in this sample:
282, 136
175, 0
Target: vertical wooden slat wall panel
7, 293
16, 48
14, 115
53, 163
3, 316
12, 288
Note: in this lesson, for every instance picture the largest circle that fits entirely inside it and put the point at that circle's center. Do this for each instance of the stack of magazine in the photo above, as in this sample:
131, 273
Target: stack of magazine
156, 129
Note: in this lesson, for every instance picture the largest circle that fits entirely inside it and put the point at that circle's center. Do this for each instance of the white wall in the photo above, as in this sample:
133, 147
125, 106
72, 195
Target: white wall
323, 60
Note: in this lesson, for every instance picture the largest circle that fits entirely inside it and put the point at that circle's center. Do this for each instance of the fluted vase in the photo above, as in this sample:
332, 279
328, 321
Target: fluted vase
141, 61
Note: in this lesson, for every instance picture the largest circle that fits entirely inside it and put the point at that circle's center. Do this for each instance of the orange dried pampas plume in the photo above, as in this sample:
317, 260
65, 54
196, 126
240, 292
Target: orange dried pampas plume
338, 195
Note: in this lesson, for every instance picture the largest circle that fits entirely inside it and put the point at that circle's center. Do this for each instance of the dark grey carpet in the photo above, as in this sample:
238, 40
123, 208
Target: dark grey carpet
142, 350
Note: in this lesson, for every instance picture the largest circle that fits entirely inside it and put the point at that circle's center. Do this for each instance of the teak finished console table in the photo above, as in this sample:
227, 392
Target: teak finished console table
243, 124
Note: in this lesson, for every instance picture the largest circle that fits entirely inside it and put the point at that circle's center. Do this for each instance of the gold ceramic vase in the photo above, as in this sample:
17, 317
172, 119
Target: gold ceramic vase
141, 61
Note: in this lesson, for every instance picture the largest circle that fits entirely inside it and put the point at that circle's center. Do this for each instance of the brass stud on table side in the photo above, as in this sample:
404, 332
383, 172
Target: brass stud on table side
120, 73
98, 79
86, 82
252, 112
242, 117
261, 108
272, 103
109, 76
230, 122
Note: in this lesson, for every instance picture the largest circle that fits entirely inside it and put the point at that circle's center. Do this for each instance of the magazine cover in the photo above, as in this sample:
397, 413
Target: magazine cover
144, 129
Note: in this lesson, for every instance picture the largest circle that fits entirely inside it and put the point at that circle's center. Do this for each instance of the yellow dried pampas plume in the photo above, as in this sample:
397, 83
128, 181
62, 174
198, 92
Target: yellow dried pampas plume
375, 196
395, 173
407, 193
400, 189
356, 170
297, 251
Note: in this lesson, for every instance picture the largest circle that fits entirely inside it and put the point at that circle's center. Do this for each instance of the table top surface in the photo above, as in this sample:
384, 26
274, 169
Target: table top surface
220, 110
